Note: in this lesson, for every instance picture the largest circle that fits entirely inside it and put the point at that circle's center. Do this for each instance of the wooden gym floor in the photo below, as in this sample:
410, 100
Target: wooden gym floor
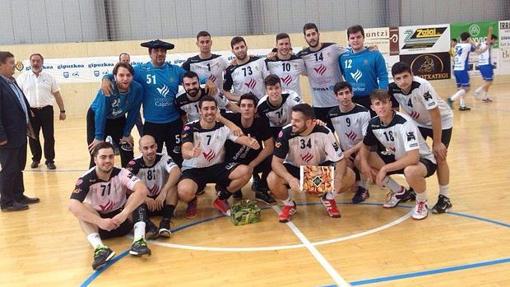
368, 246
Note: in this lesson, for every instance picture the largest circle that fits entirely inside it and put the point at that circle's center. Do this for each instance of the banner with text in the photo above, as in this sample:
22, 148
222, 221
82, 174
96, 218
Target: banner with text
430, 66
424, 39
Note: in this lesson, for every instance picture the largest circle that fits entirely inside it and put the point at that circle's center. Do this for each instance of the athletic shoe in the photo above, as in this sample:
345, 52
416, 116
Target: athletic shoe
238, 195
164, 228
286, 213
443, 205
449, 102
51, 165
222, 206
393, 199
191, 210
34, 164
464, 108
420, 211
331, 208
139, 248
487, 100
410, 196
151, 230
102, 254
264, 197
258, 184
360, 195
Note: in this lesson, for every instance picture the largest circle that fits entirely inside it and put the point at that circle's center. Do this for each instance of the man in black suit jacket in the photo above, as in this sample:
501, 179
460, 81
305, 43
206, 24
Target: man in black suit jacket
14, 124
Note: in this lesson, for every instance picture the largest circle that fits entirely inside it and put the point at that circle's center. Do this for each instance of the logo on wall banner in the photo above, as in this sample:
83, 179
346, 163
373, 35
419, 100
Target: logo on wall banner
424, 39
431, 66
394, 42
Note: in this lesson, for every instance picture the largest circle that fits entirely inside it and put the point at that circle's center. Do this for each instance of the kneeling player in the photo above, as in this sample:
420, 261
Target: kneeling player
404, 151
304, 142
102, 207
160, 174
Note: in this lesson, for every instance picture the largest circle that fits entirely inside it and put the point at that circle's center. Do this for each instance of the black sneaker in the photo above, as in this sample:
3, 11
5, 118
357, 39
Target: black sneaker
151, 230
238, 195
164, 228
443, 205
410, 195
102, 254
264, 197
360, 195
139, 248
464, 108
50, 165
34, 164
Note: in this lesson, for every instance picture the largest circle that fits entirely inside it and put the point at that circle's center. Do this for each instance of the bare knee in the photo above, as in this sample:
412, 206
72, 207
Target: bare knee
186, 190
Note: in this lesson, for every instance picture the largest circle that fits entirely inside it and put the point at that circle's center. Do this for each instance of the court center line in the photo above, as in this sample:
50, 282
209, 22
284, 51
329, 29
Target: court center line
318, 256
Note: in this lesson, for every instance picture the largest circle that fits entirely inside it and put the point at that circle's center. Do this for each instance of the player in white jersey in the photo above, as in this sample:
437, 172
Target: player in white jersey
398, 148
100, 203
203, 150
321, 64
160, 174
246, 75
209, 67
285, 65
350, 121
485, 66
433, 117
276, 106
187, 102
460, 69
304, 142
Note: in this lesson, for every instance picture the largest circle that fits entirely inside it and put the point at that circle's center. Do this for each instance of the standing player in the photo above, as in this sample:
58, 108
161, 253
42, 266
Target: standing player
204, 158
208, 66
276, 106
321, 64
460, 69
485, 65
258, 160
246, 75
364, 69
106, 115
160, 174
104, 210
286, 65
350, 121
433, 117
304, 142
405, 151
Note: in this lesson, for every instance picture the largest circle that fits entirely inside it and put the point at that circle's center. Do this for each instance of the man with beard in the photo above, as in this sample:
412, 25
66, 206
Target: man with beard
40, 88
321, 63
246, 75
101, 205
304, 142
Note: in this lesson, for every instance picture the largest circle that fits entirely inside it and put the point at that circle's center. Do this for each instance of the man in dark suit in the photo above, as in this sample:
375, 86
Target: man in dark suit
14, 124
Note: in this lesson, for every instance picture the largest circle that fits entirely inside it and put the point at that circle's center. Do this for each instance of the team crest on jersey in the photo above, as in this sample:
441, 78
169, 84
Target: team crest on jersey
410, 136
107, 206
287, 79
335, 146
307, 157
320, 69
251, 83
351, 135
427, 96
210, 155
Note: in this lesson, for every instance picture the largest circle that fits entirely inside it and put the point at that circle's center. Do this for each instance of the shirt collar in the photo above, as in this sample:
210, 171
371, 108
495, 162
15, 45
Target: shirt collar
9, 80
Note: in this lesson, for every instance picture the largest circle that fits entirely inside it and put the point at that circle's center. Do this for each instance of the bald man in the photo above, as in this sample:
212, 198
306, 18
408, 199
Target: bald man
160, 173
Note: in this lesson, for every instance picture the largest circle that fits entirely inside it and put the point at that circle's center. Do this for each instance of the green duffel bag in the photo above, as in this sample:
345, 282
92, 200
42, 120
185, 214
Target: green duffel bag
245, 212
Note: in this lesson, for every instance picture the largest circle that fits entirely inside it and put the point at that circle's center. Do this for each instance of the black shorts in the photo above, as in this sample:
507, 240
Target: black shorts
446, 135
217, 173
122, 230
430, 166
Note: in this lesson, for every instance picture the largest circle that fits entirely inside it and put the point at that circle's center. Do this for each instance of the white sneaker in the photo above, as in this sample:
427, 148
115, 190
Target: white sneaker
420, 211
393, 198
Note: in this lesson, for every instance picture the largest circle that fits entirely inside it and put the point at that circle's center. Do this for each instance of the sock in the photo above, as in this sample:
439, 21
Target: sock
329, 195
223, 194
458, 94
139, 231
167, 211
461, 102
479, 90
362, 183
420, 197
288, 201
443, 189
95, 240
393, 185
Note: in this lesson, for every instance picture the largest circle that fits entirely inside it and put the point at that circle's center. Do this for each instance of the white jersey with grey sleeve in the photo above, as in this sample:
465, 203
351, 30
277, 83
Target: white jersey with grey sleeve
278, 116
350, 126
287, 70
208, 69
154, 176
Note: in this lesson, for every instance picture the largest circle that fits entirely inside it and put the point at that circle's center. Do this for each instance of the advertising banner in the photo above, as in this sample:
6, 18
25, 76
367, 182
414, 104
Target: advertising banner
430, 66
504, 47
424, 39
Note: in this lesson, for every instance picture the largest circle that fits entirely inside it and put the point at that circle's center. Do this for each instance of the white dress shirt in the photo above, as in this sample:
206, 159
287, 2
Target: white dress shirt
38, 89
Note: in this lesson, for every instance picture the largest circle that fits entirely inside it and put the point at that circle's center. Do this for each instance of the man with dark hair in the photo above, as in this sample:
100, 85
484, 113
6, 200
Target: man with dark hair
40, 89
204, 158
485, 66
258, 160
285, 64
107, 115
350, 121
276, 105
100, 203
397, 138
208, 66
301, 143
245, 75
363, 68
433, 117
14, 127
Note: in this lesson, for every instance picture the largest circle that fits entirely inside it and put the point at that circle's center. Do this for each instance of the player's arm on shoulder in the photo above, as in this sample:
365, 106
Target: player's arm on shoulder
229, 124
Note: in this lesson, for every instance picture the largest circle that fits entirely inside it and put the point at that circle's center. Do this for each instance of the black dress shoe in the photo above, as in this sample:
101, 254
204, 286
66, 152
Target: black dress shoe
15, 206
28, 200
51, 165
34, 164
